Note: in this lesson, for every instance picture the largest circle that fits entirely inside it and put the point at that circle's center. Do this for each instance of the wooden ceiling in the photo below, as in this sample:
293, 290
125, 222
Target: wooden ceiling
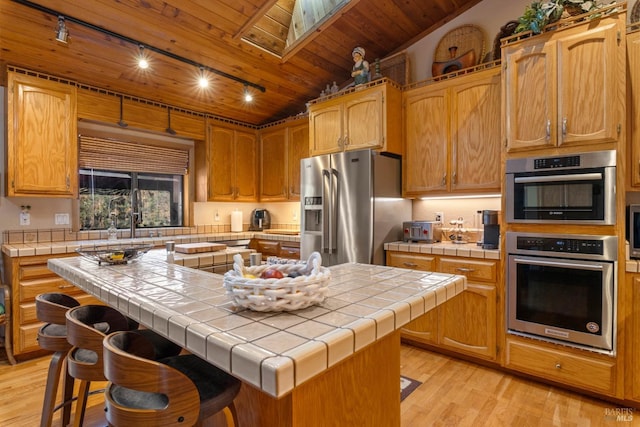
210, 32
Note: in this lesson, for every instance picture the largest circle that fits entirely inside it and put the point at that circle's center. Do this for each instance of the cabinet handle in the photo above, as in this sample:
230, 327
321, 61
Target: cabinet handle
548, 129
564, 127
65, 286
454, 178
346, 139
409, 264
465, 269
444, 179
558, 365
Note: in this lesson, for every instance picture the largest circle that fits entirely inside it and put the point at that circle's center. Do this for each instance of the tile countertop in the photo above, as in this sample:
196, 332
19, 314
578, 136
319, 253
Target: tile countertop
275, 352
69, 246
470, 250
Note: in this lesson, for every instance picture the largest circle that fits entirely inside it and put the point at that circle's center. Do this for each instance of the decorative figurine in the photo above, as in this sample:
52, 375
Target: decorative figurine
360, 71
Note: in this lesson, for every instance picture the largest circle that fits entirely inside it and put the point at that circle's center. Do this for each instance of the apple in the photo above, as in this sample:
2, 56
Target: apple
271, 273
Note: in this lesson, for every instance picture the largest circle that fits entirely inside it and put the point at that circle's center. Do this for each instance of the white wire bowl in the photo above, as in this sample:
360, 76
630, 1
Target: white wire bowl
113, 253
274, 295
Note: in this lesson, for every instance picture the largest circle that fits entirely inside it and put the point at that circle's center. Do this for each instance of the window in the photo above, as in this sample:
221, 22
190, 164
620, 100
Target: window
105, 196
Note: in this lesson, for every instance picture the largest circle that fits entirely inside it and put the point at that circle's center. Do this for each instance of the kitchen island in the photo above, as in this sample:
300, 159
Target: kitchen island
337, 363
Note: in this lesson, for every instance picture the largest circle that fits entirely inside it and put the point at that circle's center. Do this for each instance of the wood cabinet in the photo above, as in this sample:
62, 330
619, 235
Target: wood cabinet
565, 88
29, 277
364, 117
232, 155
42, 148
633, 105
281, 149
585, 370
452, 136
467, 323
279, 248
632, 332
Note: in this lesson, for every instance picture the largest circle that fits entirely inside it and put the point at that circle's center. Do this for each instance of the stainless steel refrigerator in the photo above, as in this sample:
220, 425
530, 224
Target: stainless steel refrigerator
351, 204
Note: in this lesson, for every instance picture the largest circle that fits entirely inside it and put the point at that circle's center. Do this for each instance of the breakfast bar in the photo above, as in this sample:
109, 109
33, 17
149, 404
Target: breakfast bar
335, 363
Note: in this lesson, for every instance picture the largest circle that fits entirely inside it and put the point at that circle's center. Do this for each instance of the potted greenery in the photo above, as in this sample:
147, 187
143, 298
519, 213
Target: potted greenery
539, 14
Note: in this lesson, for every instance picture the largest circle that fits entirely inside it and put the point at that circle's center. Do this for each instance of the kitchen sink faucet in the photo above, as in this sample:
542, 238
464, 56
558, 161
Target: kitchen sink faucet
136, 211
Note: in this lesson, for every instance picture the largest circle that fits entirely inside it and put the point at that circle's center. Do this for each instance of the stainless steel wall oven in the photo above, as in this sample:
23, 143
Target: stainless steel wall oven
569, 189
562, 288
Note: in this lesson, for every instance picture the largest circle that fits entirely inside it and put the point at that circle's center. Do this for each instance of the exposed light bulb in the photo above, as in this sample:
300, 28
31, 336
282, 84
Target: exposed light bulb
247, 95
142, 60
203, 81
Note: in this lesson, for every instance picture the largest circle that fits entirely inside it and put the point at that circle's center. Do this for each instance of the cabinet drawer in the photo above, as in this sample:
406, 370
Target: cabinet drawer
27, 311
485, 271
290, 252
28, 338
561, 366
34, 271
29, 290
412, 261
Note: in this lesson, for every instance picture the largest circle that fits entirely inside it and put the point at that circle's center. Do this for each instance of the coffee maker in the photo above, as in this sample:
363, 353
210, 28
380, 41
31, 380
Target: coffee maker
491, 233
260, 220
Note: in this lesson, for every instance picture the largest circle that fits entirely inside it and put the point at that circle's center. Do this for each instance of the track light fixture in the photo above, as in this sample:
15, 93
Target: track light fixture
142, 59
247, 95
62, 34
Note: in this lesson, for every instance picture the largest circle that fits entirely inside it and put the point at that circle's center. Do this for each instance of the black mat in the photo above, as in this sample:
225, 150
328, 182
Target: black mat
407, 385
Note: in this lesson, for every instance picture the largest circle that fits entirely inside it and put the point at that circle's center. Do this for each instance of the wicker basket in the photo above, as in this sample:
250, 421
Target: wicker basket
285, 294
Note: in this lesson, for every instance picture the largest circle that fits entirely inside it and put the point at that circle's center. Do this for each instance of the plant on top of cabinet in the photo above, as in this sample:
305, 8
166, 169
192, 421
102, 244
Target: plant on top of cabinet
548, 103
42, 147
366, 116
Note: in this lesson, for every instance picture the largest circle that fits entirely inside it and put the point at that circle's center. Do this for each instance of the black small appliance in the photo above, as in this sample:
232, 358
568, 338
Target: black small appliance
491, 229
260, 220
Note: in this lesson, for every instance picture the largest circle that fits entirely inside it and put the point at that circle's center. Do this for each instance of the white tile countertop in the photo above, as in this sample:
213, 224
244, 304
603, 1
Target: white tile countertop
275, 352
470, 250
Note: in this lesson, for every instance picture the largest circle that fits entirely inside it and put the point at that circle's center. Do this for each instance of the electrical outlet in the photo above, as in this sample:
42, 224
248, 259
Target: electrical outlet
61, 219
440, 216
25, 218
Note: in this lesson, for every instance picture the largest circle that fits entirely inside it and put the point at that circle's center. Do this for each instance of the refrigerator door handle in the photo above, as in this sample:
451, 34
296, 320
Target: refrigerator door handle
326, 207
333, 211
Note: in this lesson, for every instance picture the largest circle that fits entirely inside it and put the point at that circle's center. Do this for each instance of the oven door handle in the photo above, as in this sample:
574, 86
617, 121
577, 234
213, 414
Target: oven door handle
594, 176
575, 266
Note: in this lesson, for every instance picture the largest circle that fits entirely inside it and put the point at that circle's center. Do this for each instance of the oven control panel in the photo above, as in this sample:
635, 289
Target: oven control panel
550, 244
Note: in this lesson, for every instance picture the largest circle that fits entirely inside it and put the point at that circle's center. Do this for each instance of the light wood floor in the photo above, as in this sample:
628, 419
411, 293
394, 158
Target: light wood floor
453, 393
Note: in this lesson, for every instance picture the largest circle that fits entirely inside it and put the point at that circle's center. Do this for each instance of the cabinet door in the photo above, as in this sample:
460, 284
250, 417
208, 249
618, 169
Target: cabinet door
475, 134
426, 140
273, 165
424, 329
42, 149
411, 261
467, 322
222, 164
298, 149
588, 101
246, 166
529, 87
364, 121
325, 129
633, 106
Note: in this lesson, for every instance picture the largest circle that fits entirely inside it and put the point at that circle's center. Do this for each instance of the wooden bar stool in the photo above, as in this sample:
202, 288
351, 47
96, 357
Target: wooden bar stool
176, 391
5, 320
51, 308
87, 326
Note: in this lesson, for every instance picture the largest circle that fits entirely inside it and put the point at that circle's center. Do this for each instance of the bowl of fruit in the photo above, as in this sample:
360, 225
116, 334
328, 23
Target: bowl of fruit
279, 287
113, 254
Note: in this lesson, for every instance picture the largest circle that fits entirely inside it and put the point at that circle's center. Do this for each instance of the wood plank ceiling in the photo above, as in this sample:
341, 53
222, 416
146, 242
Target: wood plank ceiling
213, 33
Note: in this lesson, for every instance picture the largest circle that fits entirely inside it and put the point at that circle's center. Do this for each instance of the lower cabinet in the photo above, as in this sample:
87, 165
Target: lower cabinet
467, 323
279, 248
29, 277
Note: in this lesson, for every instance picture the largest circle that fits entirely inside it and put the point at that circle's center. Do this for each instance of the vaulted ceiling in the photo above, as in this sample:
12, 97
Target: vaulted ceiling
219, 35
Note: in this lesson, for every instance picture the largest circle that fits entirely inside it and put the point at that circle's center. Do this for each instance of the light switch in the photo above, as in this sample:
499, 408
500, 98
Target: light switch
62, 219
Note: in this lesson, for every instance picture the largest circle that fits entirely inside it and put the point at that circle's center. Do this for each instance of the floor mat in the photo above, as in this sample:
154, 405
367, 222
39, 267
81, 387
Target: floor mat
407, 385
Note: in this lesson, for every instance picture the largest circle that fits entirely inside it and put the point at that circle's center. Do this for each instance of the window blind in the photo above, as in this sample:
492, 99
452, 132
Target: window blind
111, 154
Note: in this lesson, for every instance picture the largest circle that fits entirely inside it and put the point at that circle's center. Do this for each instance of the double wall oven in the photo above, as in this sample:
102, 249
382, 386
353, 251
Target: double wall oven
562, 287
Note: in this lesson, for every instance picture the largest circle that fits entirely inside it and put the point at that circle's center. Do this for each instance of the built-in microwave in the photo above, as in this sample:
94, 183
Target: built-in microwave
633, 230
576, 188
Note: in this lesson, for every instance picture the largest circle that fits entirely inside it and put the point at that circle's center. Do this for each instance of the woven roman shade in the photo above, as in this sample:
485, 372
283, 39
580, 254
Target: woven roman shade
111, 154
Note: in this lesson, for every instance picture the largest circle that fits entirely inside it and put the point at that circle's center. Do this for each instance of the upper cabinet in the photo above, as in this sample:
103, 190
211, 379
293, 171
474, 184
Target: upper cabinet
232, 167
281, 149
565, 88
452, 136
363, 117
633, 103
42, 147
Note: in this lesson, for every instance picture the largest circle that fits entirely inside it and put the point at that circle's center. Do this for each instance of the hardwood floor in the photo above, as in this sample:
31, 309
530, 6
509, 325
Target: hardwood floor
452, 393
